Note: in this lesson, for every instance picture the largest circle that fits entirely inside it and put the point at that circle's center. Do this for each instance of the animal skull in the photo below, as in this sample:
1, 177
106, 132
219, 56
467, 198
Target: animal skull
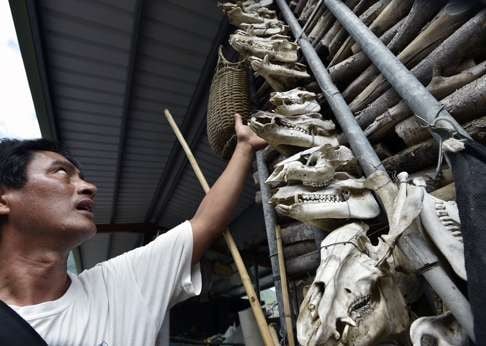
295, 101
267, 28
281, 76
305, 130
346, 197
238, 16
253, 5
277, 47
314, 167
352, 300
441, 222
442, 329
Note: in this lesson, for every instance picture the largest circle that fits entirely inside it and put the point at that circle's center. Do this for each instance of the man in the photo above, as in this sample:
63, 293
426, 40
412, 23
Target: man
46, 211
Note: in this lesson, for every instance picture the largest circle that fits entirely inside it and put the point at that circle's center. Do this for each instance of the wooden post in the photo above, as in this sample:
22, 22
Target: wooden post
285, 290
245, 278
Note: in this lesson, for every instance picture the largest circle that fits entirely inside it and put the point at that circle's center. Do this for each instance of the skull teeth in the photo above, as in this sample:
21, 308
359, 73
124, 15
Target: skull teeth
349, 321
447, 221
319, 198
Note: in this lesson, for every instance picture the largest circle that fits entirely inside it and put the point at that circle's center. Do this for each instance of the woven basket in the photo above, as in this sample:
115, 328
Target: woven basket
229, 94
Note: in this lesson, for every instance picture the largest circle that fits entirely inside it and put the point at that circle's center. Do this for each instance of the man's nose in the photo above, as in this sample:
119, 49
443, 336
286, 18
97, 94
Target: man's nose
87, 188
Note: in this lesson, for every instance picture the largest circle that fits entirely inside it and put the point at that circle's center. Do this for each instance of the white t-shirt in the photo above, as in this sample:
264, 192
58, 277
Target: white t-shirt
122, 301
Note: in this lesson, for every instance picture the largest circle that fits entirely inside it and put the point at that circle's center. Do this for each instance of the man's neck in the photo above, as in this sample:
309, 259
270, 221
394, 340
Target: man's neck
31, 273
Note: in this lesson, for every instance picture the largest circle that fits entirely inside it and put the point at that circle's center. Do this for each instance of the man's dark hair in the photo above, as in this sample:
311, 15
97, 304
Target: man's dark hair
16, 154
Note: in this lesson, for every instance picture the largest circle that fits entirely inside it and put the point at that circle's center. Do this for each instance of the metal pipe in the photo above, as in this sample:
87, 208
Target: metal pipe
270, 224
417, 251
418, 98
359, 143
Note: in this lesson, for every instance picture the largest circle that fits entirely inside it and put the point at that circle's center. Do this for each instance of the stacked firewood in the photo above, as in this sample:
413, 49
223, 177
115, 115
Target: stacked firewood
443, 45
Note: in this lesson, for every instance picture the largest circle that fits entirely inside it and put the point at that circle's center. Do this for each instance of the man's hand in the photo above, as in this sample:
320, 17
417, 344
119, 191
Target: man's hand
216, 209
246, 136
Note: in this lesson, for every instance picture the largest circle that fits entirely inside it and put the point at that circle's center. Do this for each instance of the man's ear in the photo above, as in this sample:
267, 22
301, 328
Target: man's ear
4, 205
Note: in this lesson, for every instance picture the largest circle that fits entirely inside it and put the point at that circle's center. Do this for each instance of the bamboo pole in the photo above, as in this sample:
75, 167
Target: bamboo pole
285, 291
245, 278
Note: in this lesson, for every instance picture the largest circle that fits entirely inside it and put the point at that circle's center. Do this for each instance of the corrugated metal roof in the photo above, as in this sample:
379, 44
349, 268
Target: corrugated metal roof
112, 67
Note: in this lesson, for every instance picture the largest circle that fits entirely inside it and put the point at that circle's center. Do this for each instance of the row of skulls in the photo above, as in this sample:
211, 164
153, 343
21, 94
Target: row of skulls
261, 38
362, 292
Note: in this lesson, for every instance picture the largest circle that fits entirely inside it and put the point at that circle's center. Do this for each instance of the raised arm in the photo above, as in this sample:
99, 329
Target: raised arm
216, 209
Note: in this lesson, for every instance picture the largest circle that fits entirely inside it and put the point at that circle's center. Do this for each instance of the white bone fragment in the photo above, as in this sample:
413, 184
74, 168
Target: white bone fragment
358, 302
442, 329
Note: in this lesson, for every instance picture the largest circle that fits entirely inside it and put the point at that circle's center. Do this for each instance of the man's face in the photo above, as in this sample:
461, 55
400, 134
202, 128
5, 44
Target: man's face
55, 203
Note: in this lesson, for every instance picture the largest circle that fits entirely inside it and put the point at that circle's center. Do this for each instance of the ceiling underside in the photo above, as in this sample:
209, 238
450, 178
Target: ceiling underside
104, 71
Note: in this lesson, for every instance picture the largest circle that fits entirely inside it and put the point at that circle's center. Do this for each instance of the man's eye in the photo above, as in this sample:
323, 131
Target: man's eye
62, 170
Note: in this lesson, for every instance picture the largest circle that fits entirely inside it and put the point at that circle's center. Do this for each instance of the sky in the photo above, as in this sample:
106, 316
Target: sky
17, 113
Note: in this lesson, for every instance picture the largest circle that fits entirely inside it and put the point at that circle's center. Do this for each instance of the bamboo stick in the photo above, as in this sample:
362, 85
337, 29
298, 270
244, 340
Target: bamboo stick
285, 290
245, 278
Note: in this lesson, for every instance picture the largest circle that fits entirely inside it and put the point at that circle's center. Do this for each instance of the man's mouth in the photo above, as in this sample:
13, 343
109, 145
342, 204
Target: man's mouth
86, 205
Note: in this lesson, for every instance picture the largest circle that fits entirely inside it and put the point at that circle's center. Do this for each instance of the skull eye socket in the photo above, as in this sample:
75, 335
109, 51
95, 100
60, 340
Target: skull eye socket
345, 194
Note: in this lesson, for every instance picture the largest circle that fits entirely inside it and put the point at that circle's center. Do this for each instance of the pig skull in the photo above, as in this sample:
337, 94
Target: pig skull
304, 131
314, 167
352, 300
277, 47
346, 197
295, 101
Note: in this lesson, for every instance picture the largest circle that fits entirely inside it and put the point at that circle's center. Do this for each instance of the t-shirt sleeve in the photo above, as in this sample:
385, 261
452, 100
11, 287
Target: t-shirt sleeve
162, 270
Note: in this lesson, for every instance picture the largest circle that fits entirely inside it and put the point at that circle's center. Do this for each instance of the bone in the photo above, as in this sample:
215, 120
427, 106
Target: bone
314, 167
301, 131
279, 76
254, 5
344, 198
464, 104
452, 16
384, 188
265, 29
391, 14
294, 102
454, 49
349, 68
440, 220
441, 330
237, 16
351, 301
421, 155
277, 47
433, 182
439, 87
